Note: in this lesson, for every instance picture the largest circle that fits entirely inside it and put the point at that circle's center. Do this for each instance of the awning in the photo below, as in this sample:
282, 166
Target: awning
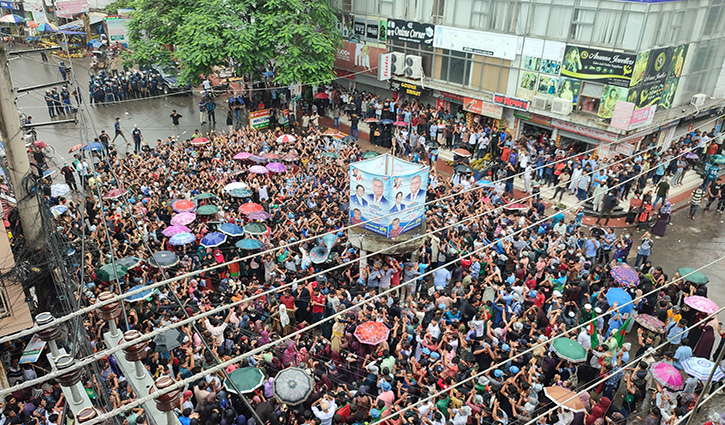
95, 18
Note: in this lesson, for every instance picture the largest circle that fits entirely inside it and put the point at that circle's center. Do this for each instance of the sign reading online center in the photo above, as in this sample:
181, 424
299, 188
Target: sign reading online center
389, 193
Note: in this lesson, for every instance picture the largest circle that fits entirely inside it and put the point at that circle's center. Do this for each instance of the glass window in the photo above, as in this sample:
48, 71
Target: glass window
607, 28
712, 21
560, 18
455, 67
632, 30
538, 19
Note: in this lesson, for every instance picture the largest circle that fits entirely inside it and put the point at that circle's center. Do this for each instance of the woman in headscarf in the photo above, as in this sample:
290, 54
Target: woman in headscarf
707, 340
663, 218
289, 357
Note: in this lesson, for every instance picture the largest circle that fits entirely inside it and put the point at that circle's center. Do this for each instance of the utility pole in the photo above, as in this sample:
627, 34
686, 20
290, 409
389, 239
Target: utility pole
18, 162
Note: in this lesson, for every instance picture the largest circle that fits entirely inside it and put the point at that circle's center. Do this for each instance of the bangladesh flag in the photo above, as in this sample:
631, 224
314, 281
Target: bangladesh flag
593, 334
622, 331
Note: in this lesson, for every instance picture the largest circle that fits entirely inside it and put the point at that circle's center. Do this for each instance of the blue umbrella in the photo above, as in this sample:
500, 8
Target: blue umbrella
386, 122
94, 146
182, 239
249, 244
58, 210
213, 239
141, 295
231, 229
621, 297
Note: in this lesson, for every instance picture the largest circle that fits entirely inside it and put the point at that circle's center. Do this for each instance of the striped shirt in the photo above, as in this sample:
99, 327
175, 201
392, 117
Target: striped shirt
697, 196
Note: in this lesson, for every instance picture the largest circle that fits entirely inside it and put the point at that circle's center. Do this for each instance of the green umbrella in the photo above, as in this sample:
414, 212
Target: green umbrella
207, 210
696, 277
255, 228
370, 154
106, 274
332, 155
245, 380
569, 349
201, 196
718, 159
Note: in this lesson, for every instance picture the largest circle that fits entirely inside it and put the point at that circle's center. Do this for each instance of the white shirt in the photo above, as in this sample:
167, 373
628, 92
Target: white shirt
325, 417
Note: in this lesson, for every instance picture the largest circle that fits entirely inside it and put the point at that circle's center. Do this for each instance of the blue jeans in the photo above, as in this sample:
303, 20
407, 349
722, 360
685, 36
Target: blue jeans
581, 194
640, 259
337, 123
354, 132
657, 200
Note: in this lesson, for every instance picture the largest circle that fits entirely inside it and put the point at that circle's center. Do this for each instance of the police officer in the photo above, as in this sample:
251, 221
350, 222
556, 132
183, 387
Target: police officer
56, 102
137, 138
65, 97
49, 102
108, 90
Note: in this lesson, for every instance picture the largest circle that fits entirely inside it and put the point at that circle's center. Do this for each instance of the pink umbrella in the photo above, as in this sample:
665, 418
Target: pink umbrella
182, 219
702, 304
667, 375
183, 206
175, 230
200, 141
259, 215
271, 155
258, 169
114, 193
242, 155
276, 167
286, 138
516, 206
400, 124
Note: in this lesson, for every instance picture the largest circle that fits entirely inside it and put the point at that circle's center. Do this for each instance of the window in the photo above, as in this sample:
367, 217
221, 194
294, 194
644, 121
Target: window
714, 16
560, 18
455, 67
479, 14
582, 23
608, 28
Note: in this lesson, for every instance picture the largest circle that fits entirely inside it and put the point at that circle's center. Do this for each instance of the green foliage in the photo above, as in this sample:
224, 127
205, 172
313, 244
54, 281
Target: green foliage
296, 38
112, 9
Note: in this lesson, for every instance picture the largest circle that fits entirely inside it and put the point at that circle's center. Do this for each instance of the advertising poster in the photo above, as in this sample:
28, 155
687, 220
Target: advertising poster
548, 85
480, 107
646, 95
410, 32
603, 66
358, 57
527, 85
532, 63
610, 96
658, 65
640, 67
550, 66
408, 194
668, 93
32, 351
678, 60
569, 89
259, 119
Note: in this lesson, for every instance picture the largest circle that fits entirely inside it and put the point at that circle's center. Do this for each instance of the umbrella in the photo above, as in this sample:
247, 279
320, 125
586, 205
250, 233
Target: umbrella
276, 167
130, 262
167, 341
114, 194
59, 189
258, 159
245, 379
515, 206
47, 28
700, 368
258, 169
690, 155
255, 228
667, 376
289, 157
567, 399
370, 154
484, 182
11, 19
286, 138
48, 173
348, 139
183, 206
249, 244
201, 196
386, 122
347, 107
400, 124
569, 349
240, 193
182, 219
76, 148
235, 185
182, 239
621, 297
213, 239
702, 304
231, 229
39, 144
332, 155
94, 146
199, 141
463, 169
250, 207
207, 209
58, 210
369, 120
717, 159
462, 152
259, 215
163, 259
625, 275
322, 95
293, 386
650, 322
691, 275
319, 254
141, 295
106, 272
242, 155
371, 333
272, 156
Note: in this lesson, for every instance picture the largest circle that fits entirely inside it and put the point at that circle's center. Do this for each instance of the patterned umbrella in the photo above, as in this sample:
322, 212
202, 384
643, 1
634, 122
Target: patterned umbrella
650, 322
286, 138
250, 207
182, 239
258, 169
702, 304
231, 229
200, 141
258, 159
106, 272
183, 205
255, 228
290, 157
370, 154
59, 189
569, 349
700, 368
332, 155
371, 333
293, 386
276, 167
621, 297
259, 215
249, 244
130, 262
114, 193
242, 155
207, 209
11, 19
567, 399
271, 156
625, 275
213, 239
163, 259
182, 219
47, 28
462, 152
667, 376
717, 159
690, 275
141, 295
245, 380
515, 206
240, 193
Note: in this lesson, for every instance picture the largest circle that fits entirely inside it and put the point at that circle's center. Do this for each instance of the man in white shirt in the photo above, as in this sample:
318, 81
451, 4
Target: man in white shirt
326, 410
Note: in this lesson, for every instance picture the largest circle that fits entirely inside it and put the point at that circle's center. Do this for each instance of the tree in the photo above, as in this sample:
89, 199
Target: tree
295, 39
112, 9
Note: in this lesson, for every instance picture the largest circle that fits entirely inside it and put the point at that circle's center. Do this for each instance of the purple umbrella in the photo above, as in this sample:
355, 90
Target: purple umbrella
182, 219
276, 167
259, 215
691, 155
175, 230
258, 169
258, 159
182, 239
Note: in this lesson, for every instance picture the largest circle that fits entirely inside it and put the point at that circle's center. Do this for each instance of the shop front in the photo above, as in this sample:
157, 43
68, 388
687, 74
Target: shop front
580, 138
480, 112
533, 125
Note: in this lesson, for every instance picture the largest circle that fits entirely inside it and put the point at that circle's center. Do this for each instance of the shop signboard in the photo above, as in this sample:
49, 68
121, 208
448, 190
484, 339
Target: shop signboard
9, 5
584, 131
410, 31
360, 57
602, 66
385, 66
511, 102
622, 115
477, 42
39, 16
68, 8
259, 119
117, 30
411, 89
453, 97
642, 117
480, 107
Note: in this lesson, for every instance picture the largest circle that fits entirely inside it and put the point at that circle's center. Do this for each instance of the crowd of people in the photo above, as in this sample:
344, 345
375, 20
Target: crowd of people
504, 285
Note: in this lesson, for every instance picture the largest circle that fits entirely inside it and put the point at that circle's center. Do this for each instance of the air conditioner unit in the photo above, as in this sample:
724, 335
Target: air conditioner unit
413, 67
398, 63
540, 102
561, 106
698, 99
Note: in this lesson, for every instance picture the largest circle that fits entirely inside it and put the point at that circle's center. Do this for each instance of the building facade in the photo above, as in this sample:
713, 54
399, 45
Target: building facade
585, 71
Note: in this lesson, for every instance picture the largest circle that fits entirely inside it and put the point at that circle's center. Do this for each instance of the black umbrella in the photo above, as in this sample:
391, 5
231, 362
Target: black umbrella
164, 259
463, 169
432, 145
347, 107
129, 262
168, 341
348, 140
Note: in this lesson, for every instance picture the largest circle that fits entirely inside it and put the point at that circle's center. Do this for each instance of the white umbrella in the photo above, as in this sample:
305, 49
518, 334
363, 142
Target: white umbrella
59, 189
235, 185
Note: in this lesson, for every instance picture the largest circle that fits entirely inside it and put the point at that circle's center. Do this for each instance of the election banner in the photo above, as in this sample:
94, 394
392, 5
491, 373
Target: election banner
259, 119
32, 351
602, 66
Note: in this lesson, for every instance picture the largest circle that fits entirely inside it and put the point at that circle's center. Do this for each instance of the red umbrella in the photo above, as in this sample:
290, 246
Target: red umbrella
516, 206
462, 152
322, 95
250, 207
41, 145
372, 333
183, 206
114, 194
200, 141
74, 148
400, 124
